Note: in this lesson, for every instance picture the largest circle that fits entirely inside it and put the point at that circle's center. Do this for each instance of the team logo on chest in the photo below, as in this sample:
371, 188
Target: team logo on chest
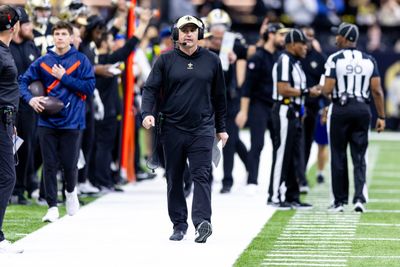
190, 66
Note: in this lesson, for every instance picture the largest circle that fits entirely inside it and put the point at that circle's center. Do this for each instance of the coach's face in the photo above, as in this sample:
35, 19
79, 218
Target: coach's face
189, 34
62, 38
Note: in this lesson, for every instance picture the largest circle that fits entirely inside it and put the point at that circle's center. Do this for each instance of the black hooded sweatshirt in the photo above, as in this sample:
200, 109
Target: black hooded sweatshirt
188, 90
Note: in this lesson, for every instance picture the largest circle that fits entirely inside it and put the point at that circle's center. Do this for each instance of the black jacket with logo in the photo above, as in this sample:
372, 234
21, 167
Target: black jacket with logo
190, 91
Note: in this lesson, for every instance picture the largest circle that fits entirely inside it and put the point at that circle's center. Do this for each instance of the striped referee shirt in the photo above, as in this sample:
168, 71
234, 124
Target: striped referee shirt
352, 70
288, 69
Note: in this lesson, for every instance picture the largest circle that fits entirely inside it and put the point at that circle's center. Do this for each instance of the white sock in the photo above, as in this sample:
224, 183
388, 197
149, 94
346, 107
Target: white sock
321, 172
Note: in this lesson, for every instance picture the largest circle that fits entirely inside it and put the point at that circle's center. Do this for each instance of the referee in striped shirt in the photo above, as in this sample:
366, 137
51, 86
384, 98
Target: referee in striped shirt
350, 78
289, 89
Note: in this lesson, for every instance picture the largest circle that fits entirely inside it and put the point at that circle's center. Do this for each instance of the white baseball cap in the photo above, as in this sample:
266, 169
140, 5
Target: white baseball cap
187, 19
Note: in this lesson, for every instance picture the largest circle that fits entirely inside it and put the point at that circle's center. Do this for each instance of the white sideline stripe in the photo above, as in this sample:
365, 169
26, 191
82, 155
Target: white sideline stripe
310, 251
308, 246
329, 256
384, 200
303, 264
383, 191
321, 225
337, 235
387, 174
383, 211
317, 232
21, 234
314, 241
385, 182
308, 260
313, 238
380, 224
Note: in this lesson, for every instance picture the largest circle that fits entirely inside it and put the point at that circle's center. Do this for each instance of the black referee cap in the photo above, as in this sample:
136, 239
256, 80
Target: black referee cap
348, 31
295, 36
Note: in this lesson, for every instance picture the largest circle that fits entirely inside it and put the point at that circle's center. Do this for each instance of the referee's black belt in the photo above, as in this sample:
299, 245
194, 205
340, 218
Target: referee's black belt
288, 102
354, 99
7, 109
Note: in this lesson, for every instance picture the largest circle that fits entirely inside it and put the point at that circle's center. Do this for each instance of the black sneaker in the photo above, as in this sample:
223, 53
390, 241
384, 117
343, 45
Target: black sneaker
203, 231
280, 205
177, 235
320, 179
225, 190
359, 207
336, 208
301, 206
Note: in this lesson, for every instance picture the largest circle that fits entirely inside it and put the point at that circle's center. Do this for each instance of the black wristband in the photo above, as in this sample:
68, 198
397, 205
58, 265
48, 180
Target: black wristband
381, 118
304, 92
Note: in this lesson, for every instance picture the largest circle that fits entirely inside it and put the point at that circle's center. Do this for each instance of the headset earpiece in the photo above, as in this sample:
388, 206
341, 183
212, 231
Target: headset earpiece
175, 30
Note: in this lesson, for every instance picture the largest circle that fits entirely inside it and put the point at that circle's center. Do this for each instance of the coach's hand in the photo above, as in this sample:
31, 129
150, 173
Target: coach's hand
37, 103
380, 125
223, 137
149, 122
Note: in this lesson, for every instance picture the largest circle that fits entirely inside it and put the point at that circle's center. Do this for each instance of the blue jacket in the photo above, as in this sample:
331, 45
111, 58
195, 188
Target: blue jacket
77, 83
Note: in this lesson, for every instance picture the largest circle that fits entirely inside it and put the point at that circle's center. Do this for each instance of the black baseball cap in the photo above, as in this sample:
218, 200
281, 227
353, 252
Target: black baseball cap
295, 36
348, 31
277, 27
9, 16
24, 18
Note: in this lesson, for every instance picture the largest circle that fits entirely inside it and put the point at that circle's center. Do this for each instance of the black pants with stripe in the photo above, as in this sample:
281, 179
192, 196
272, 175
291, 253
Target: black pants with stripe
349, 124
179, 146
60, 148
287, 126
7, 168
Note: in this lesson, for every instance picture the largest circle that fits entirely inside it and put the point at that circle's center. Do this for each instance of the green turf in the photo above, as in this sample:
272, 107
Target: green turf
22, 220
255, 253
384, 184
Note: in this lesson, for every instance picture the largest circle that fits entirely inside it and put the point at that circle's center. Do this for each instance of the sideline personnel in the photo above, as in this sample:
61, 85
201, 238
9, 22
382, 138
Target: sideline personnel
9, 97
189, 84
68, 75
350, 77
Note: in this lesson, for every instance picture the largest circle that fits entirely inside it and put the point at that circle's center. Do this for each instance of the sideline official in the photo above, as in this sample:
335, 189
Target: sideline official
189, 84
9, 98
350, 78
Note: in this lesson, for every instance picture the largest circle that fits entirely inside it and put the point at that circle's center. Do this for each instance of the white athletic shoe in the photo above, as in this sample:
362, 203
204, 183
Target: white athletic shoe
72, 202
87, 188
7, 247
359, 207
52, 215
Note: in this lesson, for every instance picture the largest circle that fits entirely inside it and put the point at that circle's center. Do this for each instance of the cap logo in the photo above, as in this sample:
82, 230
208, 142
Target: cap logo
188, 18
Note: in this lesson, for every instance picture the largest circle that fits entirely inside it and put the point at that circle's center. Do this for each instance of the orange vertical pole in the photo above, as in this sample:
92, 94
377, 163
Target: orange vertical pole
128, 126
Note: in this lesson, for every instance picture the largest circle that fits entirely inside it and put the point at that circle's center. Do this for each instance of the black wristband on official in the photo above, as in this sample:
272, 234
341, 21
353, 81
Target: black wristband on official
304, 92
381, 118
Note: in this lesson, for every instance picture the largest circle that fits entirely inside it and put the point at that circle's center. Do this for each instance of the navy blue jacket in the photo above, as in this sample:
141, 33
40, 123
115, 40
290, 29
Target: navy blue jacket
77, 83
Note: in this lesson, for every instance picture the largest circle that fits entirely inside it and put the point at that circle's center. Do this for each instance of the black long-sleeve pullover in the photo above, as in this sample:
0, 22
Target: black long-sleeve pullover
190, 91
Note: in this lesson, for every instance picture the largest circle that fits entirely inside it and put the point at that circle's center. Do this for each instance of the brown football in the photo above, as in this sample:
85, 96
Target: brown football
36, 88
52, 105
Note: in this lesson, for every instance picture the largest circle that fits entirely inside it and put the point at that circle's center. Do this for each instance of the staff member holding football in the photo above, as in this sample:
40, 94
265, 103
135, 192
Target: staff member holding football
68, 76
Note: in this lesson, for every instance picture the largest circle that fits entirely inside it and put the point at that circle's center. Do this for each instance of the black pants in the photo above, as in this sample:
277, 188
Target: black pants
26, 128
60, 148
259, 121
234, 145
105, 138
7, 169
348, 125
179, 146
87, 142
286, 154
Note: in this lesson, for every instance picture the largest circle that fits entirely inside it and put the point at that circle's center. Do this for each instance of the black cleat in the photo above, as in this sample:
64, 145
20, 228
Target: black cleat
177, 235
225, 190
320, 179
203, 231
300, 205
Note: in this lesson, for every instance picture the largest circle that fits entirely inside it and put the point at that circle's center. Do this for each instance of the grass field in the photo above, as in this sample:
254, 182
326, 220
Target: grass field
319, 238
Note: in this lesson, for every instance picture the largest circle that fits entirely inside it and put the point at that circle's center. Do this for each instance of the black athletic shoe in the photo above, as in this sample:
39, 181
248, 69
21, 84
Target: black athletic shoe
203, 231
280, 205
336, 208
225, 190
300, 205
320, 179
177, 235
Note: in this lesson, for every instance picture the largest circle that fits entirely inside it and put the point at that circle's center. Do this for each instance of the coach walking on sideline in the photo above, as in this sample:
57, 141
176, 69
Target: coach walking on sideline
350, 77
68, 76
189, 84
9, 97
